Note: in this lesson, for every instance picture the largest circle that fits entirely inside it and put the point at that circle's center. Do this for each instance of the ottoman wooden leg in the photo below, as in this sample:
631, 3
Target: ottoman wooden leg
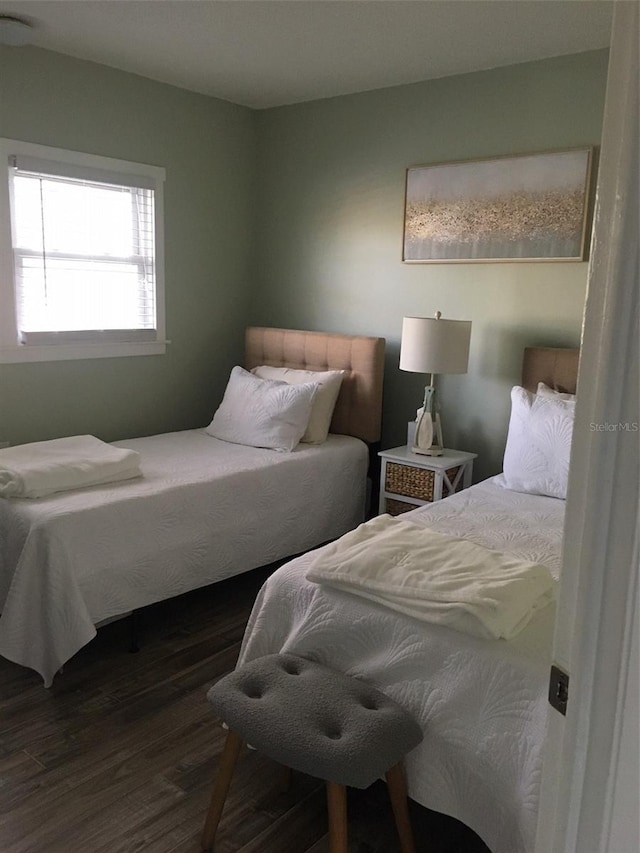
337, 807
397, 785
232, 747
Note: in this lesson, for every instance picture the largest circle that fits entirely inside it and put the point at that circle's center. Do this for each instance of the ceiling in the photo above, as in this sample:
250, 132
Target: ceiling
266, 53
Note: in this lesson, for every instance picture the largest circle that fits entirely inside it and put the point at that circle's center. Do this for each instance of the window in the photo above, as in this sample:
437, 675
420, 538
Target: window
81, 255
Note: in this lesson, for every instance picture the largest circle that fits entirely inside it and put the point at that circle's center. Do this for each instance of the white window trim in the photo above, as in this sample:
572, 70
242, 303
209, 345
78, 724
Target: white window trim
11, 351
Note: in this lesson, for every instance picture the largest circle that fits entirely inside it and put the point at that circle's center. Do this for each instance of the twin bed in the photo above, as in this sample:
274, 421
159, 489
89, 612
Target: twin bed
204, 510
482, 703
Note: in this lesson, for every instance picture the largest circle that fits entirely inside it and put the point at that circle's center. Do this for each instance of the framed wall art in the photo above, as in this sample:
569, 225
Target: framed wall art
530, 207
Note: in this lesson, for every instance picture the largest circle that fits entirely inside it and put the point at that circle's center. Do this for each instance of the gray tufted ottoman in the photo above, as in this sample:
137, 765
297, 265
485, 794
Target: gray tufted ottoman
320, 722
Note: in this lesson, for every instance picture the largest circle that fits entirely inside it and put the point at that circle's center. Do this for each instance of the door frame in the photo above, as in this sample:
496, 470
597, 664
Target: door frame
597, 606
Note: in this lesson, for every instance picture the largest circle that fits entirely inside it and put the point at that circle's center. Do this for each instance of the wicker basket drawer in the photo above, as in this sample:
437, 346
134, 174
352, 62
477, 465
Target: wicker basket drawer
407, 480
418, 483
397, 507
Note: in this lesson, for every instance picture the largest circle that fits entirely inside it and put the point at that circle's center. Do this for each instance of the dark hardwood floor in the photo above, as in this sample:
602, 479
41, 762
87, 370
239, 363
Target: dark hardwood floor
119, 755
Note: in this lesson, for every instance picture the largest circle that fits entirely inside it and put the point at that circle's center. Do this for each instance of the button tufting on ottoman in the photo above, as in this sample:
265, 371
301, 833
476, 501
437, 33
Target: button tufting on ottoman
317, 721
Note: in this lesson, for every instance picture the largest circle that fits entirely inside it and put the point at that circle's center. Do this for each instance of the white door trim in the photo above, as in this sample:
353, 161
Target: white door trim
596, 608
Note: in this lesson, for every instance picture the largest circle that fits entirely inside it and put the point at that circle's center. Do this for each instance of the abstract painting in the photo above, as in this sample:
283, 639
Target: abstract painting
530, 207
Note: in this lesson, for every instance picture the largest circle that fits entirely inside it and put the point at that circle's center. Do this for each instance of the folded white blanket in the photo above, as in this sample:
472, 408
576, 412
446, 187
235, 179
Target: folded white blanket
436, 578
43, 467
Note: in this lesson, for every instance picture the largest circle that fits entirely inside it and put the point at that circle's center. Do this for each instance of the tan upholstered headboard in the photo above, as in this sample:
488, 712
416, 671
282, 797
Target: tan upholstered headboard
556, 367
358, 411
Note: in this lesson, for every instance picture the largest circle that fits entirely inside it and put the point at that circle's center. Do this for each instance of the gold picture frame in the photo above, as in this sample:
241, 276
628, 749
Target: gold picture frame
524, 207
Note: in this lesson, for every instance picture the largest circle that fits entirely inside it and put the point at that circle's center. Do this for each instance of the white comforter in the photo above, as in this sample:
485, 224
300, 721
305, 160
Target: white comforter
204, 510
482, 703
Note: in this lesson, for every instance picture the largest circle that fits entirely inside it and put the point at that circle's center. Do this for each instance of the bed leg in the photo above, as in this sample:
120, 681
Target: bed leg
134, 622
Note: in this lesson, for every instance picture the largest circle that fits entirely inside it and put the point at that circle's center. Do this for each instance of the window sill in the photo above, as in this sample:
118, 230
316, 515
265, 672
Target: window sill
67, 352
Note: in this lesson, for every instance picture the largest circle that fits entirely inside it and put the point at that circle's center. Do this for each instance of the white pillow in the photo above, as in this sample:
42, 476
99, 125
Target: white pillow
262, 413
536, 458
544, 391
329, 382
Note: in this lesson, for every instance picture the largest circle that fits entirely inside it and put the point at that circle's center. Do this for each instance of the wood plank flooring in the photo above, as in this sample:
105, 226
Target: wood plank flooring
119, 755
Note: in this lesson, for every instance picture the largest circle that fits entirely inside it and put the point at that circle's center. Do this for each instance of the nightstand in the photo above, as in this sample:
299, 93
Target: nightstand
409, 480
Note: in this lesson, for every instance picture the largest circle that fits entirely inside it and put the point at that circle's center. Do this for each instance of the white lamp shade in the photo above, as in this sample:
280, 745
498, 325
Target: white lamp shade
431, 345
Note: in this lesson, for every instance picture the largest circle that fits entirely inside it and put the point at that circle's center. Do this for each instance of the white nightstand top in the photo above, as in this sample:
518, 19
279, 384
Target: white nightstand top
448, 459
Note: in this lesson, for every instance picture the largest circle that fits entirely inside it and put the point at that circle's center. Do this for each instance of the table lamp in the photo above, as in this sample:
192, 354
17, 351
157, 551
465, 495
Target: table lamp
432, 345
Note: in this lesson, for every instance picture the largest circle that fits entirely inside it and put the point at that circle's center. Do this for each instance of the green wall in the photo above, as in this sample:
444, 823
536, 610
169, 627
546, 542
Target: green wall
208, 149
293, 217
329, 229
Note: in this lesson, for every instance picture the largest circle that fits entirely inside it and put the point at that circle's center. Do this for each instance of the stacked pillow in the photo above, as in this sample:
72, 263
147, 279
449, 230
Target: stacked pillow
277, 407
536, 458
328, 387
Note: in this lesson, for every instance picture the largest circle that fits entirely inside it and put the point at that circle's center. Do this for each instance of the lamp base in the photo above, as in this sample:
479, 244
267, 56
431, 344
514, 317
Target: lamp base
433, 445
434, 450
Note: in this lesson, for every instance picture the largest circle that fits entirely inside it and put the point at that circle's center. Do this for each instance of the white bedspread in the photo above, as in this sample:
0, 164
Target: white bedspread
482, 703
436, 577
63, 464
204, 510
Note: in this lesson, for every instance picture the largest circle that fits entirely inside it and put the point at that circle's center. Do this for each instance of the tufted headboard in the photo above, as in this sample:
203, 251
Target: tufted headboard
555, 366
358, 411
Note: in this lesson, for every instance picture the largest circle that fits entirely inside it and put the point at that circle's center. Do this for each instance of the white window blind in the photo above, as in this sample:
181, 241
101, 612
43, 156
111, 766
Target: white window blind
84, 253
